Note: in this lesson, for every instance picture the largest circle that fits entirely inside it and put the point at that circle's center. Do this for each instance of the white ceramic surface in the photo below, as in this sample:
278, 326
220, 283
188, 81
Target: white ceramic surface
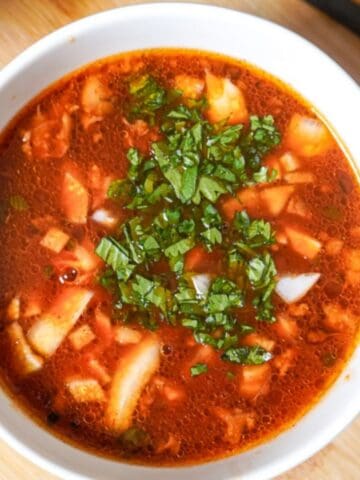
275, 50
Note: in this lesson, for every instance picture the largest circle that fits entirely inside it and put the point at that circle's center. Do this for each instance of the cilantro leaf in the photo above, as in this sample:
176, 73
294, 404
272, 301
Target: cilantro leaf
264, 132
261, 270
208, 188
147, 95
228, 136
211, 216
247, 355
198, 369
135, 159
212, 236
187, 226
188, 183
180, 247
119, 189
223, 294
256, 233
143, 291
116, 256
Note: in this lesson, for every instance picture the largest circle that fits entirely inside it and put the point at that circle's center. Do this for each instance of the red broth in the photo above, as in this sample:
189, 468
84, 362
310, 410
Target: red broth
67, 345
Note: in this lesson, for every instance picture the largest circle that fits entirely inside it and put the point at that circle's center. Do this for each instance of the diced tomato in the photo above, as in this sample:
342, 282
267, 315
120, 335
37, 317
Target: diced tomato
125, 335
296, 206
303, 243
249, 198
255, 380
55, 239
191, 87
103, 328
286, 327
339, 319
275, 199
299, 177
74, 199
85, 390
307, 136
285, 361
226, 101
140, 135
289, 162
81, 337
49, 134
95, 96
99, 184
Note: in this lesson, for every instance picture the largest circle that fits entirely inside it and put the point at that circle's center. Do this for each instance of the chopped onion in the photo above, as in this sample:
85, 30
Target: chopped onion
85, 390
104, 217
201, 284
292, 288
134, 370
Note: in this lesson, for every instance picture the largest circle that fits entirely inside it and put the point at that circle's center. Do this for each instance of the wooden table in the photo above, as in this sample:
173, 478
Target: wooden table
24, 21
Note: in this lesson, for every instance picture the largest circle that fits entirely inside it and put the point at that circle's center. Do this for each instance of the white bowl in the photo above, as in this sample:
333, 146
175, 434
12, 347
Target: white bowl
274, 49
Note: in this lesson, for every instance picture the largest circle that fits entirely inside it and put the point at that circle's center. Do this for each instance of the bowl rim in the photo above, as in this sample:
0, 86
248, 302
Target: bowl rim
31, 54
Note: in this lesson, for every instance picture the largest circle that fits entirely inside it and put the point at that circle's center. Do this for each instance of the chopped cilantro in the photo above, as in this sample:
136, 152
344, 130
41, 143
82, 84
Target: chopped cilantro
256, 233
147, 95
173, 192
224, 294
244, 355
119, 189
261, 272
115, 255
179, 248
187, 226
211, 216
212, 236
208, 188
198, 369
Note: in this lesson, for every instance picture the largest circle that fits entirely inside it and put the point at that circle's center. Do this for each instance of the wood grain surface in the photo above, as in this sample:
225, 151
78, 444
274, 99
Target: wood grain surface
24, 21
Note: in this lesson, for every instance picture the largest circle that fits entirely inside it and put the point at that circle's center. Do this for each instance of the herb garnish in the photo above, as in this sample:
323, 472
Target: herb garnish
198, 369
174, 190
244, 355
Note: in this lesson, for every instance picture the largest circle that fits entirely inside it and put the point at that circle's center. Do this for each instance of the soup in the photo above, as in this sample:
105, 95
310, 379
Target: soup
180, 257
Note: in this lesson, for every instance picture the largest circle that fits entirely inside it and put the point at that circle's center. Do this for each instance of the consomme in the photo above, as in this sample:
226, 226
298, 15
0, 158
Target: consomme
180, 257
